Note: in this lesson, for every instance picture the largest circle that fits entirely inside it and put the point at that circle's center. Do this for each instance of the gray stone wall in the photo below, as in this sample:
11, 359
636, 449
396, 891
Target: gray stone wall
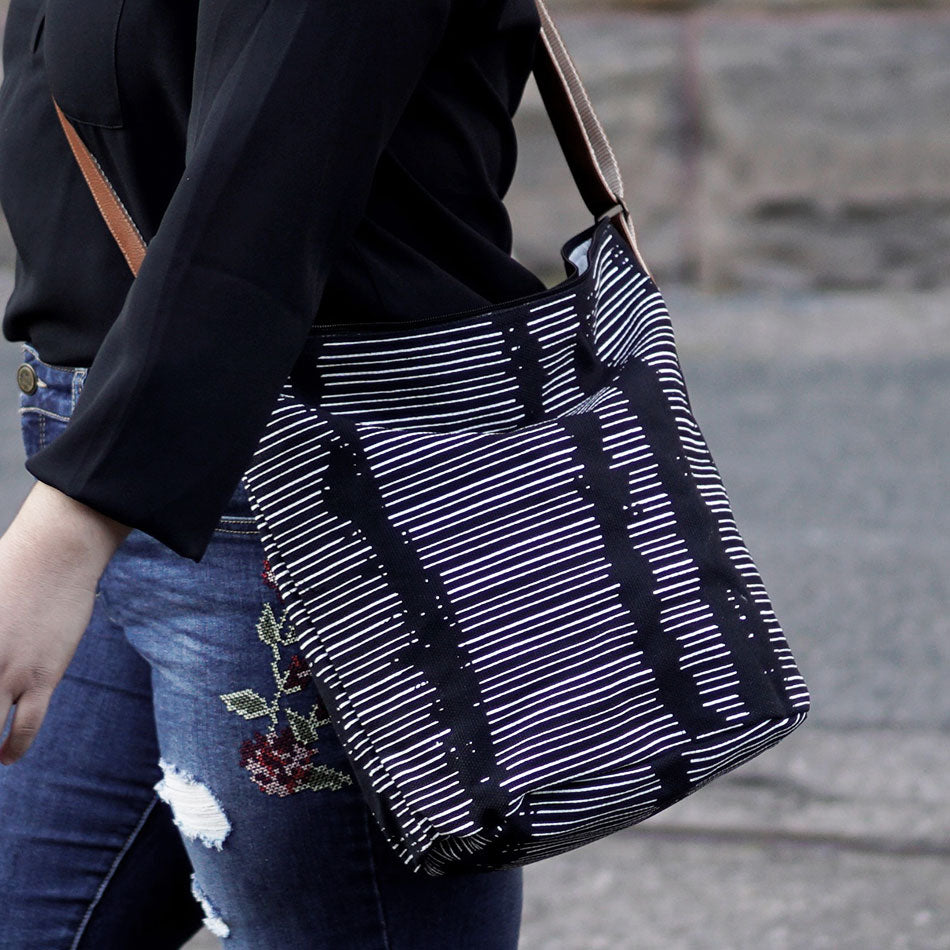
789, 151
764, 143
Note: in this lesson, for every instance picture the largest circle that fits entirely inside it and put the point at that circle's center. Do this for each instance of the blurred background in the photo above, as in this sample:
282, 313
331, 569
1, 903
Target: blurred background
787, 163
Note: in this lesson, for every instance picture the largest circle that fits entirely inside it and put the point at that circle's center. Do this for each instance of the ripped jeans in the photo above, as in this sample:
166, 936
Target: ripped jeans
186, 773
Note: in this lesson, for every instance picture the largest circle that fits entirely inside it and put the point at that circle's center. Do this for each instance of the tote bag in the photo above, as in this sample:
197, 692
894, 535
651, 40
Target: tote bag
508, 555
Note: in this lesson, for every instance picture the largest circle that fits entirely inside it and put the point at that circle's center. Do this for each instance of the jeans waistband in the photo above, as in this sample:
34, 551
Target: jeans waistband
46, 410
57, 387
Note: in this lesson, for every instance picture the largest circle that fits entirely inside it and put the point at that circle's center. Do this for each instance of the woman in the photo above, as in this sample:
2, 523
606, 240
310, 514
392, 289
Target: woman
287, 161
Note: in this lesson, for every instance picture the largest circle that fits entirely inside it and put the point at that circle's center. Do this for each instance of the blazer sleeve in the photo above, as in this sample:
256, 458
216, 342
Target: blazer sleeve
293, 103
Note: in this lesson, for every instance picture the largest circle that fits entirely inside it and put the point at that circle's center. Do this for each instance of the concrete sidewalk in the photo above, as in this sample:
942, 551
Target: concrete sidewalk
827, 415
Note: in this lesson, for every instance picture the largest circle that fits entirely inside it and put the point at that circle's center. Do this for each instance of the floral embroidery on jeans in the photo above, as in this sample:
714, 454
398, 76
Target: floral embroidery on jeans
267, 576
280, 761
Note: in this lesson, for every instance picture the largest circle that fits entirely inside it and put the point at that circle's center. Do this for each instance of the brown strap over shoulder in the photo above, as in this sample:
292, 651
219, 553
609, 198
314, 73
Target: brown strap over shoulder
119, 221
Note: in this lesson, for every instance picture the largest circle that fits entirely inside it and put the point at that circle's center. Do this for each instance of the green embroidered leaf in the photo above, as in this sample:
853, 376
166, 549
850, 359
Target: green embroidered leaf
290, 635
246, 703
301, 727
322, 776
315, 718
268, 629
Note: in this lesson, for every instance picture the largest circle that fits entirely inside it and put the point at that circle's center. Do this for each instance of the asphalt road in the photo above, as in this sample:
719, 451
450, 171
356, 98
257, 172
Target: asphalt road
828, 418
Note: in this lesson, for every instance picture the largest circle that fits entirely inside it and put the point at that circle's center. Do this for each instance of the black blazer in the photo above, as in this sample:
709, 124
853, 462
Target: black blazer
292, 161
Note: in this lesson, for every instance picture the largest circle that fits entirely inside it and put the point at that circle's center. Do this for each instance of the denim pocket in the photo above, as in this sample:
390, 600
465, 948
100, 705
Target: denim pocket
38, 429
38, 425
33, 430
237, 517
45, 412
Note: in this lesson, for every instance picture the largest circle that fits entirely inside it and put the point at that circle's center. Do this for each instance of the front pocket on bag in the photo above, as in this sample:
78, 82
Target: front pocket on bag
79, 45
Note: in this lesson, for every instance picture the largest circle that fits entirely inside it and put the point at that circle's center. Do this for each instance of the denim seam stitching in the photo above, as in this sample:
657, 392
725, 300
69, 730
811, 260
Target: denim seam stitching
40, 411
79, 377
111, 873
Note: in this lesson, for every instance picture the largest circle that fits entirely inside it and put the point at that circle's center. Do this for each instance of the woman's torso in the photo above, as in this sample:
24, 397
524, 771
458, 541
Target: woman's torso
435, 237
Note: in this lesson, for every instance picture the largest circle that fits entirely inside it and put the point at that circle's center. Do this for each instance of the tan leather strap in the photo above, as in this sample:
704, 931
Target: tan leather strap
581, 136
118, 220
580, 133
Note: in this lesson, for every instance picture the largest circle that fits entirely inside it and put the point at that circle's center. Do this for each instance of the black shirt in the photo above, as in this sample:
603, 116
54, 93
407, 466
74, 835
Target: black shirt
287, 161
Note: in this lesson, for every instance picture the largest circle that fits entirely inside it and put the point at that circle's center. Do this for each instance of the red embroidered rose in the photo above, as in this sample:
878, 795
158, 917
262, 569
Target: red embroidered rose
267, 575
297, 674
280, 763
319, 711
277, 762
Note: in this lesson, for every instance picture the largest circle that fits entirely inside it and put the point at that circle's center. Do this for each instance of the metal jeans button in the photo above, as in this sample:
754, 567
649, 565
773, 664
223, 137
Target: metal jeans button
26, 378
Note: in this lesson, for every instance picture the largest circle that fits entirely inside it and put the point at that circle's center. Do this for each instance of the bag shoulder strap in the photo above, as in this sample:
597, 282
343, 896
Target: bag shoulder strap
579, 132
113, 211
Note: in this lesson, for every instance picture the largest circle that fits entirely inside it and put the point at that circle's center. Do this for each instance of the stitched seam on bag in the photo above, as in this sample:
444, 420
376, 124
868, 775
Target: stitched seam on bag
111, 873
122, 209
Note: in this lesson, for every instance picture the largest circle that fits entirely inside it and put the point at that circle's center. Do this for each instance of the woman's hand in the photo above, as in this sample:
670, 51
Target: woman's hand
51, 559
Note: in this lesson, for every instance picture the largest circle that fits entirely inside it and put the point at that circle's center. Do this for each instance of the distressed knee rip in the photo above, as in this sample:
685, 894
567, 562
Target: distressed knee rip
195, 810
212, 920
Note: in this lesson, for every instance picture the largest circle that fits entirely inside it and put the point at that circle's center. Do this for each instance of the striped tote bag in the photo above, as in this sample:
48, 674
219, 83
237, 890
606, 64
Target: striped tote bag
510, 559
508, 555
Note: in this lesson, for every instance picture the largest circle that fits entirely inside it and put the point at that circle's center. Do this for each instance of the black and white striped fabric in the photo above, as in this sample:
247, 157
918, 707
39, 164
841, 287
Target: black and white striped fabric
513, 568
507, 553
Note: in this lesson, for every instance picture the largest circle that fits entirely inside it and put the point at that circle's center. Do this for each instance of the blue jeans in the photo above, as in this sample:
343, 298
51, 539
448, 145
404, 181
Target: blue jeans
186, 772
